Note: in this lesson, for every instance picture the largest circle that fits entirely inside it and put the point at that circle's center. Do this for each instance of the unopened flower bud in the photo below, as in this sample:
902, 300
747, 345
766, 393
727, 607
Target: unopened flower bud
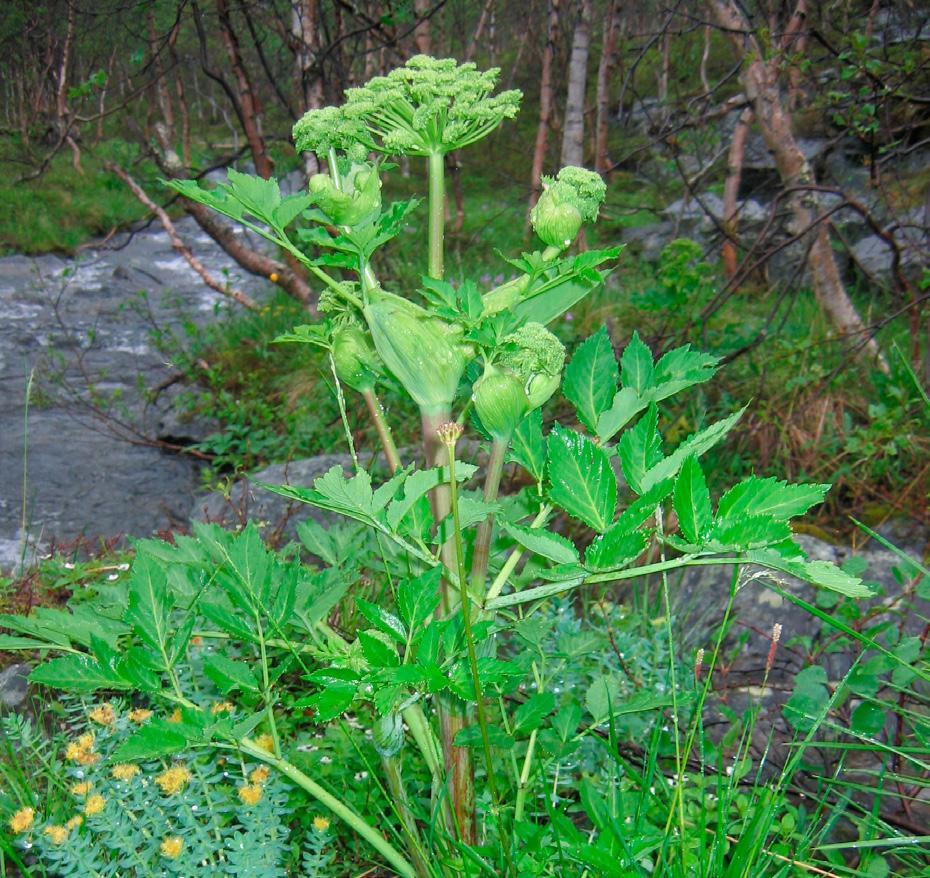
356, 362
572, 198
424, 353
557, 224
500, 401
358, 196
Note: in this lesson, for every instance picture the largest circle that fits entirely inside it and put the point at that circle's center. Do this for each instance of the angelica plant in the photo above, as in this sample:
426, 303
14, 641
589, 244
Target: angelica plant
445, 577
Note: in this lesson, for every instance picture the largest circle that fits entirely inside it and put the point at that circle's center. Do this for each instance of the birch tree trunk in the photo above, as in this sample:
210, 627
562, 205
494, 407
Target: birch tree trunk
573, 127
545, 106
605, 68
759, 76
248, 101
421, 32
304, 40
731, 189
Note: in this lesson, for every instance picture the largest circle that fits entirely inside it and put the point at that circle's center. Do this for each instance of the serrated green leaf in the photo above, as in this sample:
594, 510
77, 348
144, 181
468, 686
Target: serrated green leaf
821, 573
418, 598
383, 620
614, 549
697, 444
290, 208
636, 368
419, 483
624, 407
581, 480
472, 510
77, 673
591, 377
640, 449
149, 608
528, 447
228, 674
771, 497
377, 649
544, 543
692, 502
683, 367
259, 196
155, 739
330, 703
643, 507
750, 532
530, 715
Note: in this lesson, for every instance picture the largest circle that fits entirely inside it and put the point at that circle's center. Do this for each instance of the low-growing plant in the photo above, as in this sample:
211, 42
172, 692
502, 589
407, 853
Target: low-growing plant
427, 610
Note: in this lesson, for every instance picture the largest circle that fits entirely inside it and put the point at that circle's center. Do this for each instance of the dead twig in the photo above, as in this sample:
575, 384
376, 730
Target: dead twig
236, 295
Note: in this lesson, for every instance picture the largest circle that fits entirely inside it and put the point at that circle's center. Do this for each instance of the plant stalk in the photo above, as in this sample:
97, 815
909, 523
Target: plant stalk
504, 830
390, 765
437, 213
376, 412
481, 552
342, 811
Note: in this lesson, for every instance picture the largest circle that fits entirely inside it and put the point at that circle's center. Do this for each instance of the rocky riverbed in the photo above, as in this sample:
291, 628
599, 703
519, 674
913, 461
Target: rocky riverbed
88, 322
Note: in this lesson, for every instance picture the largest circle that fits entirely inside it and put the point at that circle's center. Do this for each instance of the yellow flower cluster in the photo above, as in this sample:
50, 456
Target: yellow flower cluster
251, 793
22, 820
266, 742
74, 822
104, 715
94, 805
172, 846
57, 834
173, 780
320, 824
222, 707
174, 716
124, 771
140, 715
81, 789
81, 751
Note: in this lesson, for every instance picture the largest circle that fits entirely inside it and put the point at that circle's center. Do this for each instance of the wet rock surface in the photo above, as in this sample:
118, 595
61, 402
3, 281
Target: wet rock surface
88, 322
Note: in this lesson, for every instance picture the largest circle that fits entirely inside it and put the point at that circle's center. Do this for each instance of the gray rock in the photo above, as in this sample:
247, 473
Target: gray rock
274, 515
649, 240
70, 321
14, 686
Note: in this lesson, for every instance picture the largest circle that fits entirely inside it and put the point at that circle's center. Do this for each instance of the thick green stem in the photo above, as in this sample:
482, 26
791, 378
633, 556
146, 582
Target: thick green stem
481, 553
384, 429
437, 213
473, 657
342, 811
390, 765
452, 715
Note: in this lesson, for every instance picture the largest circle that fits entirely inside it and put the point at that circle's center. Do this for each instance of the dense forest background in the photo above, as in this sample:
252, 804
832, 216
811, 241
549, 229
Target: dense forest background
787, 142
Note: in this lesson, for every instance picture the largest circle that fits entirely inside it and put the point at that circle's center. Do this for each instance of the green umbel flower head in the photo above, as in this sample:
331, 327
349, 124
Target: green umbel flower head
424, 353
572, 198
357, 364
328, 128
429, 105
357, 196
526, 375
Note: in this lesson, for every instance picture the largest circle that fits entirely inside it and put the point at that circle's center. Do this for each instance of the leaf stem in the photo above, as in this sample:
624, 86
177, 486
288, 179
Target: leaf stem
342, 811
376, 412
481, 552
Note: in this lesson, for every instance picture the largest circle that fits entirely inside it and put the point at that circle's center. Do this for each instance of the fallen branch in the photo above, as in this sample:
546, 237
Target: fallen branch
236, 295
